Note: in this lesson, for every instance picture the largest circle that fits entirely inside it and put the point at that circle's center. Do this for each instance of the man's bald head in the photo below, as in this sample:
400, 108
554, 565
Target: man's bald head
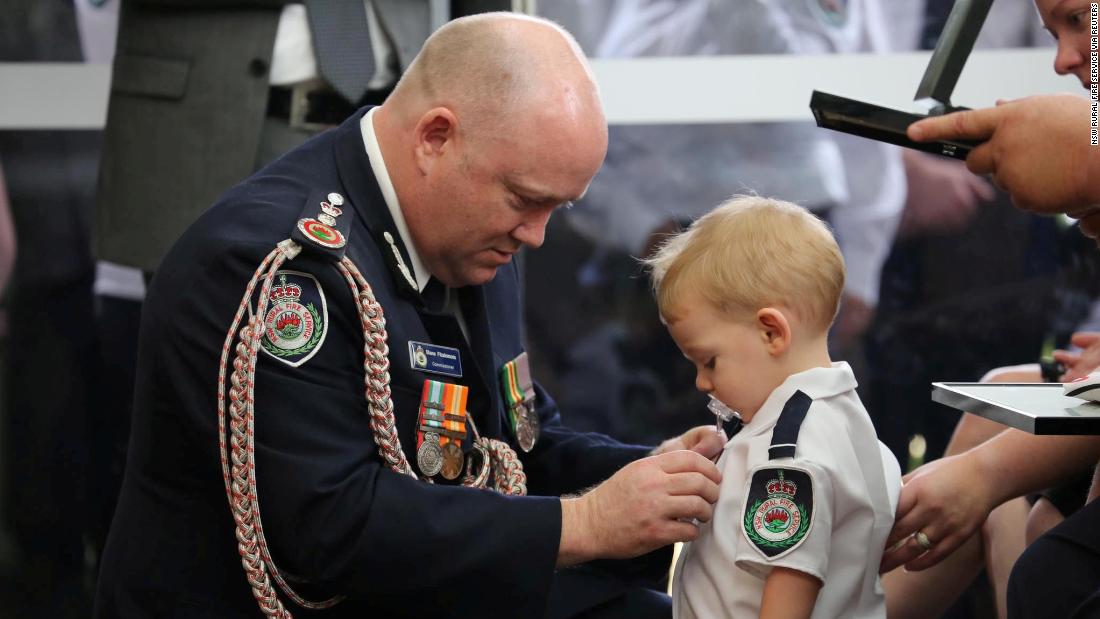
491, 66
495, 125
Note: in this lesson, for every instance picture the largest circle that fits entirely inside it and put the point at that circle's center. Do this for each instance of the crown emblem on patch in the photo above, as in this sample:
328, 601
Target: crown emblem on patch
782, 487
285, 291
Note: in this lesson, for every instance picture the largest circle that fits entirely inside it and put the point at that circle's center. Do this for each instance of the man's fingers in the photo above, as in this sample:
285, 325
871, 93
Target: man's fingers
679, 531
966, 125
693, 484
710, 443
980, 161
684, 461
687, 507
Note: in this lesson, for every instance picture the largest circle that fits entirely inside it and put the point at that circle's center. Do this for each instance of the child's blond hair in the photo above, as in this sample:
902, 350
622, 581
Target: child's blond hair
749, 253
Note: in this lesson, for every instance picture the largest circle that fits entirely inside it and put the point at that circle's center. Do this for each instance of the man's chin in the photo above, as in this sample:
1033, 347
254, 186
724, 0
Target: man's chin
477, 276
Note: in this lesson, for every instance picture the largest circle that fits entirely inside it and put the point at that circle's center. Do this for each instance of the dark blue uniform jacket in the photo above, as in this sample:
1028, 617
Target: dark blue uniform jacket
337, 519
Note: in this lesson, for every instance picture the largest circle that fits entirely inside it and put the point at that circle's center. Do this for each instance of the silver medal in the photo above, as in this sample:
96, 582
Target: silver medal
430, 456
527, 427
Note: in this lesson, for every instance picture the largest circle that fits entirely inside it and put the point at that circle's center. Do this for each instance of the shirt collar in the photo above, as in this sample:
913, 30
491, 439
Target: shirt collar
817, 383
378, 166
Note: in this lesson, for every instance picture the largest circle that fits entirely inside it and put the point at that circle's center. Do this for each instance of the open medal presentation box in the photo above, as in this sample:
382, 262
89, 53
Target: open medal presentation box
933, 94
1038, 408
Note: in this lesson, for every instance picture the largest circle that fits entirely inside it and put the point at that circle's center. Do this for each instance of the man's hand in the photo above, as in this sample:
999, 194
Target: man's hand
1080, 364
648, 504
703, 440
1036, 148
947, 500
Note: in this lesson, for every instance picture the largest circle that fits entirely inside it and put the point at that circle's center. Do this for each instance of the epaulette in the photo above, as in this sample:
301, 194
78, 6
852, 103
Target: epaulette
778, 511
785, 432
323, 228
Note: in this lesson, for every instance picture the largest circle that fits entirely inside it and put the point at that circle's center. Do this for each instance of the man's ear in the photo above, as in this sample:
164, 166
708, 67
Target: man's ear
434, 134
774, 330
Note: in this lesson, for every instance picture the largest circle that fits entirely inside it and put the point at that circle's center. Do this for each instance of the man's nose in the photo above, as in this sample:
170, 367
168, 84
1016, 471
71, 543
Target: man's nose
532, 230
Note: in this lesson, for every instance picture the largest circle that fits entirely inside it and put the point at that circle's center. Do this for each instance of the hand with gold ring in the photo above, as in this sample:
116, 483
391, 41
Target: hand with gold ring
947, 501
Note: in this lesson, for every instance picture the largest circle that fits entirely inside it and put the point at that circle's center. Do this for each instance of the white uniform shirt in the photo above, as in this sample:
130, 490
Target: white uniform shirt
856, 482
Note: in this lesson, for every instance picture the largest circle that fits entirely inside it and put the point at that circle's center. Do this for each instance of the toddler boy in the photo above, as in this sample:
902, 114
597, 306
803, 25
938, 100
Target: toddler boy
808, 493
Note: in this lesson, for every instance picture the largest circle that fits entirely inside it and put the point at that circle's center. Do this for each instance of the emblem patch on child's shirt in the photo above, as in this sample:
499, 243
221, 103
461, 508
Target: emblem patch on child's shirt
778, 509
296, 320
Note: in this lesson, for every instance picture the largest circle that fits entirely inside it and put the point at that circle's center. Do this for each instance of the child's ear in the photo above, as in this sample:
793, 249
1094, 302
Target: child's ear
775, 331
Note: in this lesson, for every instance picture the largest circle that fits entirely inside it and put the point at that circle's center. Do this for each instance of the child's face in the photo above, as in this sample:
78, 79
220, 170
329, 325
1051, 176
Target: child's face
731, 357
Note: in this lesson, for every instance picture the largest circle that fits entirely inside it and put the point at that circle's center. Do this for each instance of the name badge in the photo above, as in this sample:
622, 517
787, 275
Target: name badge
435, 359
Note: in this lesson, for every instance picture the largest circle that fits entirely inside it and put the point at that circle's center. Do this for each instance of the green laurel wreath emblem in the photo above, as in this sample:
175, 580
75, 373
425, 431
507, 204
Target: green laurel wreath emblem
755, 537
304, 348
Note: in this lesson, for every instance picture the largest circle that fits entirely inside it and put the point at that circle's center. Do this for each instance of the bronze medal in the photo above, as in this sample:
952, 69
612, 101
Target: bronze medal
452, 461
430, 457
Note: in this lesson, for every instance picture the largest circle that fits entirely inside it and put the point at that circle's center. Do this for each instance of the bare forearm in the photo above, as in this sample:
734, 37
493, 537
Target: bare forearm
1015, 462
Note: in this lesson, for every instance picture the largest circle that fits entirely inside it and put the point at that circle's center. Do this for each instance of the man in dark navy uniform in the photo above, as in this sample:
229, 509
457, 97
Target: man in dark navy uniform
495, 125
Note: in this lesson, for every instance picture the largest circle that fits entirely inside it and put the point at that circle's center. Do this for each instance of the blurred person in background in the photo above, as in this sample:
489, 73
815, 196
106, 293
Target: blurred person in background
618, 363
51, 349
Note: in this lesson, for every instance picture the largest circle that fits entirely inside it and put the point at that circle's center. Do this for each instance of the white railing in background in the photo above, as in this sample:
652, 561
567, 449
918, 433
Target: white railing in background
635, 91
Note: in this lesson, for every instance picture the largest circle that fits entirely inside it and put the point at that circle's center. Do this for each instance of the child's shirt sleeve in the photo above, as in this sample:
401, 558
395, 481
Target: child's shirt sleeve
786, 519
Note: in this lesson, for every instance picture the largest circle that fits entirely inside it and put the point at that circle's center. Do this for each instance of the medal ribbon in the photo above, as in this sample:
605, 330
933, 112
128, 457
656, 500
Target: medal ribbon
515, 380
513, 395
442, 411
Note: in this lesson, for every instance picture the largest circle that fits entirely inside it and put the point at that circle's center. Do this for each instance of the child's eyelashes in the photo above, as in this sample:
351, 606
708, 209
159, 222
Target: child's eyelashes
710, 363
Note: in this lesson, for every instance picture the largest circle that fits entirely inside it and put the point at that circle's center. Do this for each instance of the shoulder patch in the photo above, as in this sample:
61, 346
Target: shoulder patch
296, 321
778, 510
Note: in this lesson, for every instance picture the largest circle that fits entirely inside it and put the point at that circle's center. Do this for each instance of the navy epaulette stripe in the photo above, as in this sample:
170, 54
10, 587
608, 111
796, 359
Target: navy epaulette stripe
785, 432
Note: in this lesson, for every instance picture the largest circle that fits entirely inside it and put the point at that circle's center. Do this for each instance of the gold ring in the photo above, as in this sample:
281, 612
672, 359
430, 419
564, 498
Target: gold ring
922, 540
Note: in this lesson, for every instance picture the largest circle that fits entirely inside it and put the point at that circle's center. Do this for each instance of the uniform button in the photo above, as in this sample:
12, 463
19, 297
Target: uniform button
257, 67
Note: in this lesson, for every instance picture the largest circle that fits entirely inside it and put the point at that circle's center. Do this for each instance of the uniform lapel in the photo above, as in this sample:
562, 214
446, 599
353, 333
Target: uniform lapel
358, 179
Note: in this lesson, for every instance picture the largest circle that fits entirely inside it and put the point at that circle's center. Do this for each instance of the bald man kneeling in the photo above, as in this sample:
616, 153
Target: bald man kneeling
453, 489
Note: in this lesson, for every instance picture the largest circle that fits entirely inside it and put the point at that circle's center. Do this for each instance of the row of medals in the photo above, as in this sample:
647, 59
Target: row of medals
434, 458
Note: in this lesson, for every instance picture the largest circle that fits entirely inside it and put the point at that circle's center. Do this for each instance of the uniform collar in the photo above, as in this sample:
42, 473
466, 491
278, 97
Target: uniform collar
818, 383
382, 175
